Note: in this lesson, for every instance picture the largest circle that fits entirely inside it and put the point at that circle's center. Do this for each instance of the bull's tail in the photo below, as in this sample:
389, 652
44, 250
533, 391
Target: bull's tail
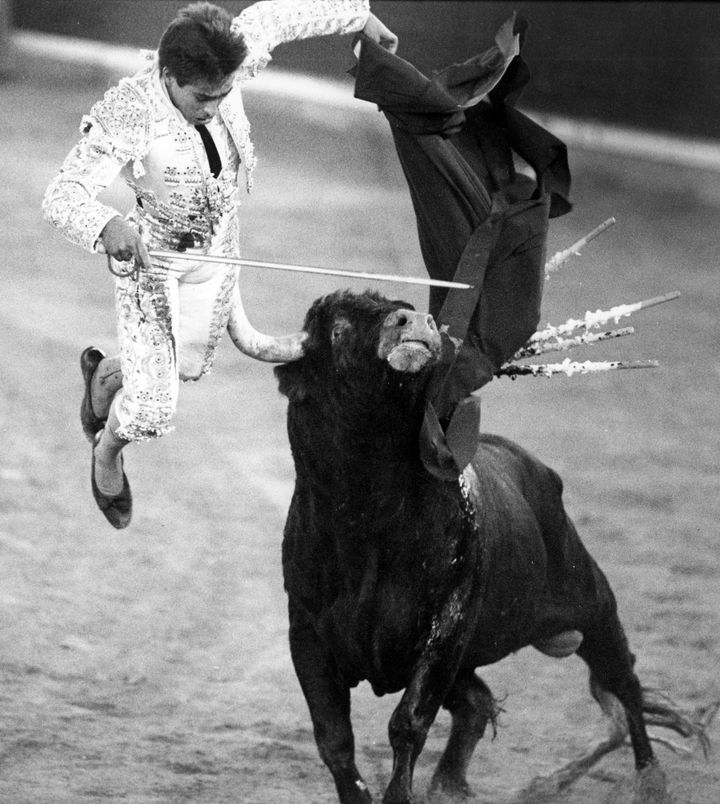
658, 709
662, 711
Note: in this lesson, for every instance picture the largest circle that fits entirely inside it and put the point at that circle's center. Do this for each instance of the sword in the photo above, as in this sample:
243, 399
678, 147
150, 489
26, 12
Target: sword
307, 269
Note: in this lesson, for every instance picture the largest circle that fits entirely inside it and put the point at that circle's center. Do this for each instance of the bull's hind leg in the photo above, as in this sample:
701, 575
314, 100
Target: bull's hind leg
606, 652
607, 655
616, 688
328, 699
471, 705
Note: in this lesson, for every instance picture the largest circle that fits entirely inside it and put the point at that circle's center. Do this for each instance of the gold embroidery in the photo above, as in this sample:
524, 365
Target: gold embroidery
134, 131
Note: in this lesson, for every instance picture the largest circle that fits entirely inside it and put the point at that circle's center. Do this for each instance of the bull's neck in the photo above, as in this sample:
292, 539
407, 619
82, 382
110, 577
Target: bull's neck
379, 438
363, 459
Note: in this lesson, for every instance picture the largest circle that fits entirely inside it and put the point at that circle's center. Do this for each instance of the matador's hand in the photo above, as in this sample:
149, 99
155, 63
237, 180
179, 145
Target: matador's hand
378, 32
124, 243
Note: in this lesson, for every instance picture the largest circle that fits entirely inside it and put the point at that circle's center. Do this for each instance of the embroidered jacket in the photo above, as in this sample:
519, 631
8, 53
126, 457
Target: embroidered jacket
137, 133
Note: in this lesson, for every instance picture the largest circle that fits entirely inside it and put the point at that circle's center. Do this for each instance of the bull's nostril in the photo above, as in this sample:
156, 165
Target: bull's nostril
402, 319
430, 321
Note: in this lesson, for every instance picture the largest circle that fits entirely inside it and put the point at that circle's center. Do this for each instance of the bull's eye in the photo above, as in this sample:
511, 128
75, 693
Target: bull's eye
338, 328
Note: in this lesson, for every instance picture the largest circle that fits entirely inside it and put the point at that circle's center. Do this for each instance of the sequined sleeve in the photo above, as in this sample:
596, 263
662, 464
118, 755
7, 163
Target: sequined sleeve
266, 24
113, 134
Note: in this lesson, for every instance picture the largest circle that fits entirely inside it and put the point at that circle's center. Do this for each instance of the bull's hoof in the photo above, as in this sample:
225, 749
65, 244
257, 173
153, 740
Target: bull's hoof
560, 645
648, 787
450, 794
651, 787
399, 794
448, 790
351, 788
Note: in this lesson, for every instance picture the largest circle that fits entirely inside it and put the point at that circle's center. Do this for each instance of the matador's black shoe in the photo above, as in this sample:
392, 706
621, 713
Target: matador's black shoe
89, 361
117, 508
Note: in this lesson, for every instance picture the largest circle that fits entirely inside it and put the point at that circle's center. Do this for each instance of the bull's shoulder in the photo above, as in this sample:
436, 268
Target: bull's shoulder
498, 453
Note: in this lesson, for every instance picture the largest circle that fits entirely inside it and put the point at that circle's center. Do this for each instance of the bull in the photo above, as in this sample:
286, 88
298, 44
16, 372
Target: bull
411, 582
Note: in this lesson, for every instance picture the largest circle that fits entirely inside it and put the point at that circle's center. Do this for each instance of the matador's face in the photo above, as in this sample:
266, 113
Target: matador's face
199, 100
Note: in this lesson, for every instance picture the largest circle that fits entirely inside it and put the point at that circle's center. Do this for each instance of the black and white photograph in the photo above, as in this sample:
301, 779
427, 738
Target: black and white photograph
360, 402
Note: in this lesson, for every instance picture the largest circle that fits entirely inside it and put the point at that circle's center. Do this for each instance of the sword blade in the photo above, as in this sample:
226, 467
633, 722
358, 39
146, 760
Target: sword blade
307, 269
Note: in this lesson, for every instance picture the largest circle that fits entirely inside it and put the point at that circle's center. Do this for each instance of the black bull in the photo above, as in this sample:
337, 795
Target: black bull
411, 582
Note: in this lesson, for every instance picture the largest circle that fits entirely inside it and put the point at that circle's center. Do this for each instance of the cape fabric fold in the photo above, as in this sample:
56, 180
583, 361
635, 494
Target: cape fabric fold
479, 220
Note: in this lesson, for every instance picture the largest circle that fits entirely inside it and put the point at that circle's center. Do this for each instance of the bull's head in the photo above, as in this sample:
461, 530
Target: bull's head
357, 340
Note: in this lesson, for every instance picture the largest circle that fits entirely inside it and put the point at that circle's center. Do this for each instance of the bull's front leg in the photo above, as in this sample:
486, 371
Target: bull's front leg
432, 678
328, 699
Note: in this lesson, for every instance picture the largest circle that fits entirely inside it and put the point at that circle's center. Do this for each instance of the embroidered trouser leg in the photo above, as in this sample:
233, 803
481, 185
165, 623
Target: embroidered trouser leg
168, 331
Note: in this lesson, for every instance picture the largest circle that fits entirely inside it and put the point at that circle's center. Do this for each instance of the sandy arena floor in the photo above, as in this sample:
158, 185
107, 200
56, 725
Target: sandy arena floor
151, 665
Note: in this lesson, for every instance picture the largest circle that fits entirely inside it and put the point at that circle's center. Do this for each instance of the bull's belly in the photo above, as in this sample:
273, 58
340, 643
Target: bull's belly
379, 637
554, 625
385, 649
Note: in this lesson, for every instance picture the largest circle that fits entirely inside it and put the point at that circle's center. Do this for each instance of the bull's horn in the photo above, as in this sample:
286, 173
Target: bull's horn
271, 349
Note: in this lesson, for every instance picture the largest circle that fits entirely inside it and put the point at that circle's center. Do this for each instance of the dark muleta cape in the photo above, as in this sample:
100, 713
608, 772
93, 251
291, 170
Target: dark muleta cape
479, 220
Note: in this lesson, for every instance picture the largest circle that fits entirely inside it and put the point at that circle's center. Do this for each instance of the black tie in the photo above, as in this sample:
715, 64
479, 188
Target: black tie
211, 150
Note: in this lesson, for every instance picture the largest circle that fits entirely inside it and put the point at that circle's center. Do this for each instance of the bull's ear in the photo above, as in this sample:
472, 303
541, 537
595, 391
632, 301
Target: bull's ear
291, 381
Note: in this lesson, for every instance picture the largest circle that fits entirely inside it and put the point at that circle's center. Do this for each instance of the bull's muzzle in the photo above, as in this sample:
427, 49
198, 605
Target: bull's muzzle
409, 340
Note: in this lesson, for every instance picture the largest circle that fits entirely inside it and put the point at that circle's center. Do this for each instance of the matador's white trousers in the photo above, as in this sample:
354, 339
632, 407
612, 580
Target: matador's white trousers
169, 327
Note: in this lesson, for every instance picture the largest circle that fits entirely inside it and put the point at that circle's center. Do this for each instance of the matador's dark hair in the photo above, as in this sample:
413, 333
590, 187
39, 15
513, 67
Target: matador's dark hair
200, 44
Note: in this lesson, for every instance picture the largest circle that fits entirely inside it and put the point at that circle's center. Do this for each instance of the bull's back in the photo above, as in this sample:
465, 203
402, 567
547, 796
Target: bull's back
511, 482
502, 464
